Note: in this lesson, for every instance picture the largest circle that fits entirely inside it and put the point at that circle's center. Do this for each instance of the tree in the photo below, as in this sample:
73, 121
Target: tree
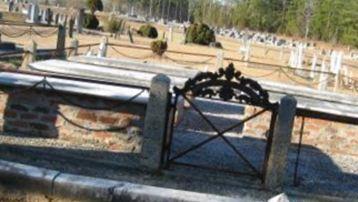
95, 5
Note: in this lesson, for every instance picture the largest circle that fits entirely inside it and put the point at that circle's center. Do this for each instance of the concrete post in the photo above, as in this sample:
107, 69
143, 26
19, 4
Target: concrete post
61, 41
74, 46
102, 52
30, 55
155, 123
279, 143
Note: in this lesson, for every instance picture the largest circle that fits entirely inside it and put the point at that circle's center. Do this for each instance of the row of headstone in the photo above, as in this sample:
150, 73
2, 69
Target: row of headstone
335, 65
47, 16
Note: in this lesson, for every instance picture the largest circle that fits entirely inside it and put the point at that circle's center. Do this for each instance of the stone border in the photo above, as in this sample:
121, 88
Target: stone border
55, 183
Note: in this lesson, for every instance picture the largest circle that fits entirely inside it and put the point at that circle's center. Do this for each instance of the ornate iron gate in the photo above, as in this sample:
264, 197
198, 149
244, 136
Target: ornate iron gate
225, 85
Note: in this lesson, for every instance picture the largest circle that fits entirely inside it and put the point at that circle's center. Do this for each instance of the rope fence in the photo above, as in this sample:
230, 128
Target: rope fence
12, 32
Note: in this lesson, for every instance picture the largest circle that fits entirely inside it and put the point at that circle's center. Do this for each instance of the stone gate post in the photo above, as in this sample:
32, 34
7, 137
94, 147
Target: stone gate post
276, 160
155, 122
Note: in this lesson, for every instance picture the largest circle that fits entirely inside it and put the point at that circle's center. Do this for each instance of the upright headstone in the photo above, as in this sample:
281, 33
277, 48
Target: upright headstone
57, 18
11, 6
34, 14
219, 59
79, 20
49, 16
313, 66
44, 16
70, 27
248, 52
323, 77
170, 36
102, 52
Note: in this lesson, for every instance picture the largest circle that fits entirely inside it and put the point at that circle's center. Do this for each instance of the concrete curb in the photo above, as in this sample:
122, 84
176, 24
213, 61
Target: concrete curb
55, 183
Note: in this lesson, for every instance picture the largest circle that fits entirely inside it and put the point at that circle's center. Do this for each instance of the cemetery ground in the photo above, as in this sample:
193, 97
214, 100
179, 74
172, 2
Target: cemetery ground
118, 159
261, 56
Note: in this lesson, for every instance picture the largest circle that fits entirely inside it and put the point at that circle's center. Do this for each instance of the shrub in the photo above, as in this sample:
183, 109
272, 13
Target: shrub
159, 47
91, 22
148, 31
216, 45
114, 26
200, 34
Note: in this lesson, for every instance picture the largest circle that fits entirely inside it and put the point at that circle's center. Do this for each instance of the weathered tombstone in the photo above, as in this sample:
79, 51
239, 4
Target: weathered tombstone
49, 16
313, 66
275, 166
57, 18
70, 27
219, 59
102, 52
323, 77
79, 20
11, 6
34, 15
43, 16
29, 10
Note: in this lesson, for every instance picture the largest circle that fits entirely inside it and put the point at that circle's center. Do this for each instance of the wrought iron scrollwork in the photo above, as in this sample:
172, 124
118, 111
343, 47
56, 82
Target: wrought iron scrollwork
227, 84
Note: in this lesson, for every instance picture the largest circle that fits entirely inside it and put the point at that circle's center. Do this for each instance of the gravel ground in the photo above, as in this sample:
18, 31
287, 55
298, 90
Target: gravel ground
318, 172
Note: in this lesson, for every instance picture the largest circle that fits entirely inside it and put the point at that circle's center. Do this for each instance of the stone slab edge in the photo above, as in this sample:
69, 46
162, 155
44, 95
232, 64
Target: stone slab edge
55, 183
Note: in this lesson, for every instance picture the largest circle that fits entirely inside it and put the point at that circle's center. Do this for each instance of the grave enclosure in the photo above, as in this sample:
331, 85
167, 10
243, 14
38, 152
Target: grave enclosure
139, 123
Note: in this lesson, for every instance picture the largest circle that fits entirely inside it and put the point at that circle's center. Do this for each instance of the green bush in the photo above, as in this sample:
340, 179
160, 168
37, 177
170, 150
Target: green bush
91, 22
114, 26
148, 31
200, 34
159, 47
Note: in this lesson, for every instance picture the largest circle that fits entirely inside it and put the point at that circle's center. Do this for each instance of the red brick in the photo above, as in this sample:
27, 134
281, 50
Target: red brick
18, 124
10, 114
108, 120
28, 116
49, 119
85, 115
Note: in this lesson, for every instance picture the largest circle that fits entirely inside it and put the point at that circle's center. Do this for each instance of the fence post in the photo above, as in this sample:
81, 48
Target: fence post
155, 122
29, 55
74, 48
130, 36
279, 143
61, 41
102, 52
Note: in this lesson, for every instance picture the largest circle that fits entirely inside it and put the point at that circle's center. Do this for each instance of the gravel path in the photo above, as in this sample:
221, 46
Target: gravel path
318, 172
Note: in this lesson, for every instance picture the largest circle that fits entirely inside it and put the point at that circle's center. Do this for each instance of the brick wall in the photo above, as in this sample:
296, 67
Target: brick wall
36, 114
327, 136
